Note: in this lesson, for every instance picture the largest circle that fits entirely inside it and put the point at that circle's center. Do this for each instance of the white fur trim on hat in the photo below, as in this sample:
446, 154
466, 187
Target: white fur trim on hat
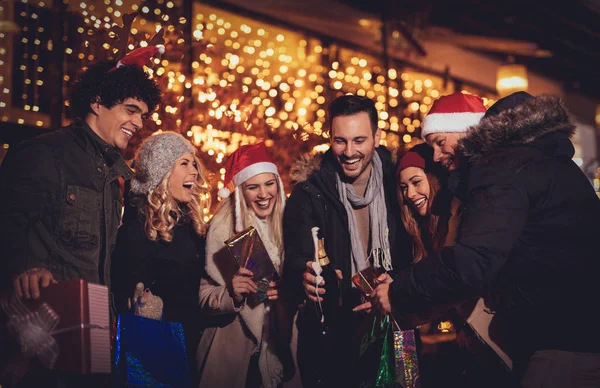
224, 192
239, 224
281, 191
449, 122
253, 170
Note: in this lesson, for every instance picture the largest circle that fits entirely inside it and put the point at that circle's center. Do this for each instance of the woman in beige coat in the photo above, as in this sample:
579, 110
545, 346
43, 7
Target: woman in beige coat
240, 346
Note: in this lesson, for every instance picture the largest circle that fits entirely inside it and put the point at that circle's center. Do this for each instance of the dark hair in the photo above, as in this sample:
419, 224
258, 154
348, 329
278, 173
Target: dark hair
350, 104
428, 234
112, 88
508, 102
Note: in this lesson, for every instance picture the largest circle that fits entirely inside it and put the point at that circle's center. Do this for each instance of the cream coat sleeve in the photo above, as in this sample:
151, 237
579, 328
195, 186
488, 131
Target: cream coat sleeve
215, 299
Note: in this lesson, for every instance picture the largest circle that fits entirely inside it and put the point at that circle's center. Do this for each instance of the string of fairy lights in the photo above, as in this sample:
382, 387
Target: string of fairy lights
236, 81
23, 20
284, 80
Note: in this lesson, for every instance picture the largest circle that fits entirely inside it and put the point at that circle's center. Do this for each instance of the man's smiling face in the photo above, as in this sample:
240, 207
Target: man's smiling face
444, 148
118, 124
353, 143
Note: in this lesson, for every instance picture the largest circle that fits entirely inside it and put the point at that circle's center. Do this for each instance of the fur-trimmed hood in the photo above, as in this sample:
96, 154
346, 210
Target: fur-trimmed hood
520, 125
304, 166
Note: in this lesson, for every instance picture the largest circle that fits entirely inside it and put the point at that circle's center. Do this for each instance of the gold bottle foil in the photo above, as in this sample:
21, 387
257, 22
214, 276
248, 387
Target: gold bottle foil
323, 259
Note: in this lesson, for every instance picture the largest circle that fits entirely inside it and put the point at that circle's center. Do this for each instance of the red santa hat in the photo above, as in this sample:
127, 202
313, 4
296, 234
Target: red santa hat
140, 56
453, 113
246, 162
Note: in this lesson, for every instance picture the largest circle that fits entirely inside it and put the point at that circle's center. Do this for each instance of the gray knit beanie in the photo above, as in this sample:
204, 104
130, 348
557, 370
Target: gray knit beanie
156, 157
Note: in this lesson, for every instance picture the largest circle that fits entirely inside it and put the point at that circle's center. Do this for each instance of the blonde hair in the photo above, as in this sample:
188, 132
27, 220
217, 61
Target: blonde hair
163, 213
274, 221
428, 233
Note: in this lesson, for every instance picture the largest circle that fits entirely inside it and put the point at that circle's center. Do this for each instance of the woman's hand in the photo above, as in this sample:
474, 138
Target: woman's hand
273, 290
380, 296
242, 285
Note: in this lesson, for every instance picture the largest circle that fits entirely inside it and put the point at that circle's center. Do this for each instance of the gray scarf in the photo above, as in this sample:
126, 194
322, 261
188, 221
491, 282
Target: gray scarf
375, 199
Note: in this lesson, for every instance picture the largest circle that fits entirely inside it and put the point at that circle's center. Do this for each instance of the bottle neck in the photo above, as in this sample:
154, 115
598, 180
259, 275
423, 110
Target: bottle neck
321, 254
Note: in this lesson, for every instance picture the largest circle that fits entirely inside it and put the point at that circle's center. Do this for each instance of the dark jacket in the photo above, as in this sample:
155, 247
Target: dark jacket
171, 270
60, 205
315, 202
528, 236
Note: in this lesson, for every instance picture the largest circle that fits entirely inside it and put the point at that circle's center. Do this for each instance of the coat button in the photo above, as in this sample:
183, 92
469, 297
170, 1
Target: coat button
72, 197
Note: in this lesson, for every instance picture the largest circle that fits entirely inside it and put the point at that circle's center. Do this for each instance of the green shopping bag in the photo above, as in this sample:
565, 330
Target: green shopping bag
376, 355
388, 356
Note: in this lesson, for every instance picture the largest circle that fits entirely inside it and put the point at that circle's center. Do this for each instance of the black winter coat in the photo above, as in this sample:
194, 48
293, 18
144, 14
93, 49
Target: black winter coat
528, 236
332, 361
315, 202
60, 205
170, 270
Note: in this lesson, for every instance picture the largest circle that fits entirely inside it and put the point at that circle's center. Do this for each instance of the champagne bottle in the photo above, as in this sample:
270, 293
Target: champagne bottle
331, 298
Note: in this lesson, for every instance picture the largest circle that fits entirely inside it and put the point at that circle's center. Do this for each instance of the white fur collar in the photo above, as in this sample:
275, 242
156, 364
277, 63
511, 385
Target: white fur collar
219, 230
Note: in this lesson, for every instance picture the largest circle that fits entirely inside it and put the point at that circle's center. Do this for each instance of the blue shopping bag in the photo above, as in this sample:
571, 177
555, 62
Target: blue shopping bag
150, 353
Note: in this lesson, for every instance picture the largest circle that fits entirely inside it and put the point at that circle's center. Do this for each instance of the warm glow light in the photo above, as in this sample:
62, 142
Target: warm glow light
248, 79
510, 79
364, 22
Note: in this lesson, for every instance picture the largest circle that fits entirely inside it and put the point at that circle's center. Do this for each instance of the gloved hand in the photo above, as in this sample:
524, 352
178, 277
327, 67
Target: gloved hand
146, 304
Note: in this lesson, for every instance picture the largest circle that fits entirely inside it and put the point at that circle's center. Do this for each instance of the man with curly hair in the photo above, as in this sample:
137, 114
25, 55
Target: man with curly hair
60, 201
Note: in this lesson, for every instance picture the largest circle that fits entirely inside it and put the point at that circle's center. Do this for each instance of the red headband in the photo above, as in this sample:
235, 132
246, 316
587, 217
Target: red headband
411, 159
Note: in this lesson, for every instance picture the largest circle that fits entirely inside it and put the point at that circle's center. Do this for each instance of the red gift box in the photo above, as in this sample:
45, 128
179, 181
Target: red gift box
82, 333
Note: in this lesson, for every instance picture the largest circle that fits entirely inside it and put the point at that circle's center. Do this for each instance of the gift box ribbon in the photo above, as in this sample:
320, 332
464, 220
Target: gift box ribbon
34, 331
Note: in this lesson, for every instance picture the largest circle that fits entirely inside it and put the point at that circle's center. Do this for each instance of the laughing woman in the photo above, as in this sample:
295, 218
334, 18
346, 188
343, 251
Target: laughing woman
161, 242
431, 222
240, 346
431, 216
419, 182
